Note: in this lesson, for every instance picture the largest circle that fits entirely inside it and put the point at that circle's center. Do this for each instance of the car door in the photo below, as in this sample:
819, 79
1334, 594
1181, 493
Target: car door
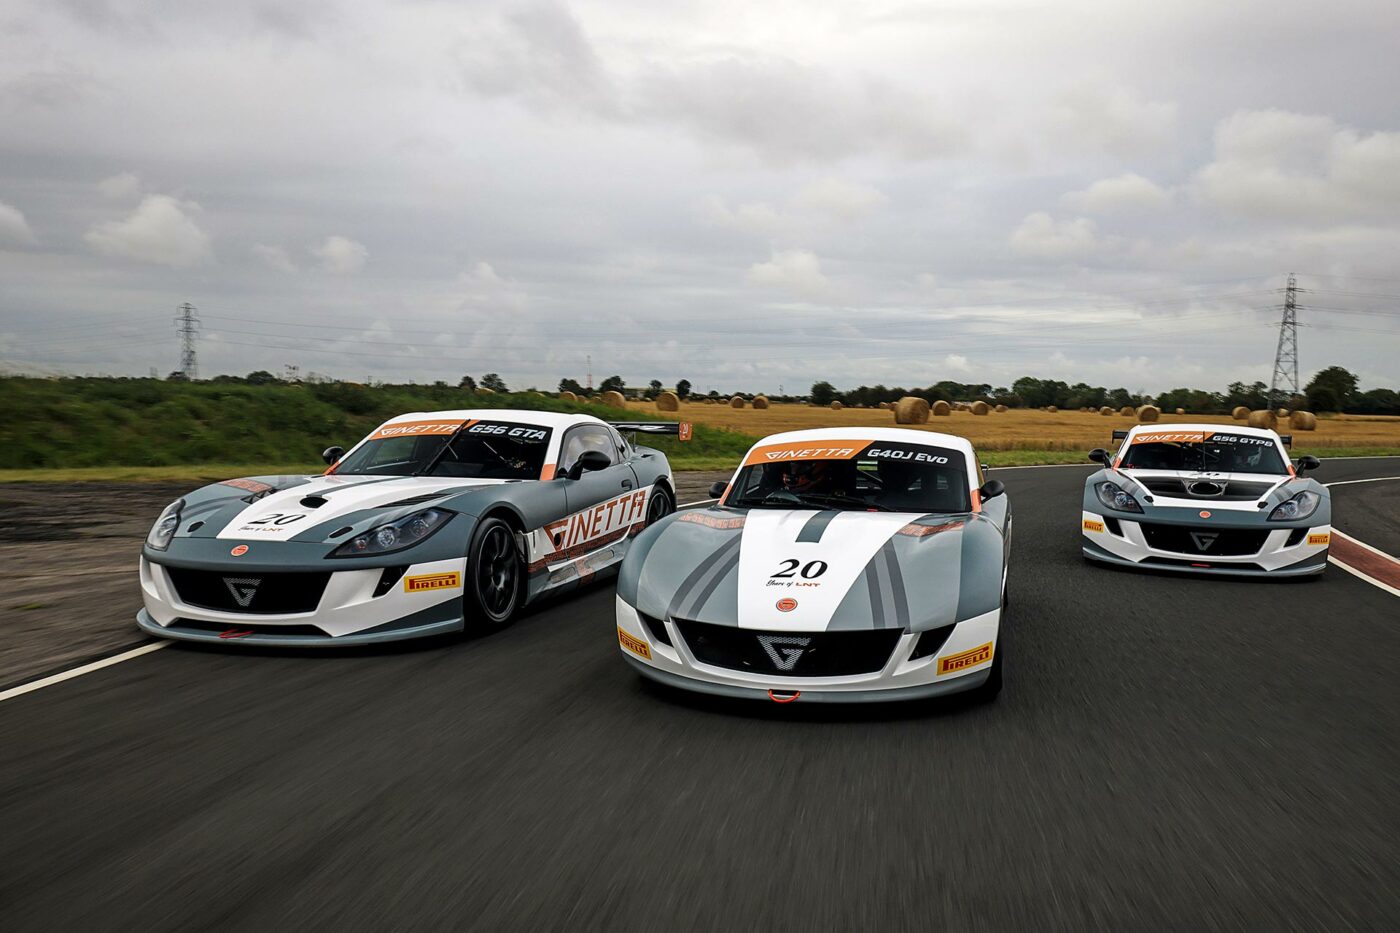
603, 504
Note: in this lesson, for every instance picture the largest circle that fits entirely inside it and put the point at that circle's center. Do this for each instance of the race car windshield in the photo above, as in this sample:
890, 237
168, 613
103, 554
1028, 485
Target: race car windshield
883, 477
1215, 454
478, 450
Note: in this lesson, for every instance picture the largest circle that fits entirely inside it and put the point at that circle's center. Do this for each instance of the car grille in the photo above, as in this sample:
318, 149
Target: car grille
1234, 490
250, 592
1204, 541
789, 654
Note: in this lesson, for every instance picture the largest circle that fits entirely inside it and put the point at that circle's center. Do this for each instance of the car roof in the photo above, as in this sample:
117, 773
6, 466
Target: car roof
545, 419
900, 435
1204, 428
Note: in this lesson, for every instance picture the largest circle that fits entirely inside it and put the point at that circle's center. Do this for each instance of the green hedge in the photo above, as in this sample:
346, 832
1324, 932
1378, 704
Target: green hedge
94, 422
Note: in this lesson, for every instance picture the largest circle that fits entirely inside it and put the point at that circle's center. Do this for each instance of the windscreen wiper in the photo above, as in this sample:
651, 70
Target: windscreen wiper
838, 497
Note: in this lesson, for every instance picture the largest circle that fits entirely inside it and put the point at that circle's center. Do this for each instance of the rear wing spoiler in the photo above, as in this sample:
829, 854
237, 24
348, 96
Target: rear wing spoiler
681, 429
1120, 435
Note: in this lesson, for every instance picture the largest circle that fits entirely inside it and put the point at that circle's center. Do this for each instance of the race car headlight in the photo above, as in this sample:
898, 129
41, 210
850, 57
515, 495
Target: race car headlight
164, 528
1111, 495
394, 536
1299, 507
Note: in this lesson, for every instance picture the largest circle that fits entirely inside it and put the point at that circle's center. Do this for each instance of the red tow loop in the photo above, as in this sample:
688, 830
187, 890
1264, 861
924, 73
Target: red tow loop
784, 697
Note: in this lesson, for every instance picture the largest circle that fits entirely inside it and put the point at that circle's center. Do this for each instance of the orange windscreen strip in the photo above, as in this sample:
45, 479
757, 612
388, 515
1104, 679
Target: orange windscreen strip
415, 428
810, 450
548, 471
976, 500
1173, 437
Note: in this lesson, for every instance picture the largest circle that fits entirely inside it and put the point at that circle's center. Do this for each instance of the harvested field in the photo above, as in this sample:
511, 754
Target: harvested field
1022, 429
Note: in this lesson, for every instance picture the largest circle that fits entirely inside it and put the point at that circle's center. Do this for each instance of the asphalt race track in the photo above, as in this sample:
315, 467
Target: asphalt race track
1169, 753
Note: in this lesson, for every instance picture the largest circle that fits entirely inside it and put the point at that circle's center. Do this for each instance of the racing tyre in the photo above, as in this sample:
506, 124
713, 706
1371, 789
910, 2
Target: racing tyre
659, 507
496, 577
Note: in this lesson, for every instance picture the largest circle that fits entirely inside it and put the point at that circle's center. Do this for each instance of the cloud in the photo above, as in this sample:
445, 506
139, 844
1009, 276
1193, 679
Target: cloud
785, 110
486, 289
274, 257
1118, 120
1126, 193
1273, 165
1043, 237
796, 270
160, 230
14, 229
842, 200
120, 187
341, 255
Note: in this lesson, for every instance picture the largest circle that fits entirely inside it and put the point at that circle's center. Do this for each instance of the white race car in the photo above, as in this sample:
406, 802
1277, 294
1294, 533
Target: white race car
839, 565
1206, 499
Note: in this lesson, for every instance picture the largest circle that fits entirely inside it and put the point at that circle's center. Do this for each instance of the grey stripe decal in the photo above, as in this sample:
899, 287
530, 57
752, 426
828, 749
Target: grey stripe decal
812, 532
899, 597
874, 585
703, 573
703, 594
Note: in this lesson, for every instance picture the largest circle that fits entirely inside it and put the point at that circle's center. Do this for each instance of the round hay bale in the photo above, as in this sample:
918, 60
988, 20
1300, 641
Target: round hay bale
710, 401
1051, 408
568, 396
1240, 413
668, 401
1282, 413
942, 409
1001, 408
1149, 413
980, 407
1303, 421
911, 410
481, 391
836, 405
737, 402
1181, 411
1128, 411
1263, 418
613, 399
760, 401
1105, 410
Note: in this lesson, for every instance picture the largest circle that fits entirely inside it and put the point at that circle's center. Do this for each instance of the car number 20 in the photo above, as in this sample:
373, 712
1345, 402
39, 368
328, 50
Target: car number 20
279, 518
809, 571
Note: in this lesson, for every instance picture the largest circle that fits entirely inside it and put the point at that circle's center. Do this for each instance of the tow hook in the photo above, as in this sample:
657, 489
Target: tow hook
784, 696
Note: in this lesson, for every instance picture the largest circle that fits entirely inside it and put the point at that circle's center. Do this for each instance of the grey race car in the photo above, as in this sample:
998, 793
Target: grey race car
1207, 499
839, 565
435, 522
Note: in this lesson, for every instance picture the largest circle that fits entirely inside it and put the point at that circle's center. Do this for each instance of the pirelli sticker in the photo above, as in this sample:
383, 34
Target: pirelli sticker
1320, 539
415, 428
634, 645
1091, 525
965, 659
432, 581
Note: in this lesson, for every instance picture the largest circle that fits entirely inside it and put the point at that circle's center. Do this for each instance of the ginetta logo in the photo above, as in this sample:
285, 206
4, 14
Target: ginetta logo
239, 550
786, 604
784, 650
243, 589
1203, 539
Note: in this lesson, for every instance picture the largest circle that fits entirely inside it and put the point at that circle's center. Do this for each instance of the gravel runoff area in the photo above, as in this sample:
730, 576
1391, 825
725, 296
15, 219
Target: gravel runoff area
70, 550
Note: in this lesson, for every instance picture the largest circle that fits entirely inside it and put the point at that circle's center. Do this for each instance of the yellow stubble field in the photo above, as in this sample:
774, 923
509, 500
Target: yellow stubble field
1023, 429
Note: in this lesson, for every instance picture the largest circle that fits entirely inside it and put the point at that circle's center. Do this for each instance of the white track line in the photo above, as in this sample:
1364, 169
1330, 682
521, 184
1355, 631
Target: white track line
1349, 482
1367, 577
59, 678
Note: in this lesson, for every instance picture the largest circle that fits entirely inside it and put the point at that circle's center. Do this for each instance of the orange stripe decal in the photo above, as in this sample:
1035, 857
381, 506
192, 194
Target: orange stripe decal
834, 450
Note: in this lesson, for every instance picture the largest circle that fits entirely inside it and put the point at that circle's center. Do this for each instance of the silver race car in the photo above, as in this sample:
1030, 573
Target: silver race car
1206, 498
841, 564
435, 522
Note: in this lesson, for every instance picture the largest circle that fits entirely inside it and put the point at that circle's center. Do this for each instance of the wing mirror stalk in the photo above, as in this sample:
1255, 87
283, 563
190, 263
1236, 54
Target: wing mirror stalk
991, 489
332, 454
588, 461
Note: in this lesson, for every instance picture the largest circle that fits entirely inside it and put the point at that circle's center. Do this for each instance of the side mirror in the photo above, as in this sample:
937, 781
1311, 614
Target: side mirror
984, 467
992, 488
332, 454
1308, 462
717, 489
589, 460
1099, 455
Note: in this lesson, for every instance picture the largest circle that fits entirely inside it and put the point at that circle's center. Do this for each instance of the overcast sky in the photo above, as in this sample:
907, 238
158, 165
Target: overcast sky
747, 195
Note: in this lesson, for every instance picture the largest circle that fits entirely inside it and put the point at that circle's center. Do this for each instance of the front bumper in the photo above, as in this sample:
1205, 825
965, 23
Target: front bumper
1121, 541
347, 613
900, 679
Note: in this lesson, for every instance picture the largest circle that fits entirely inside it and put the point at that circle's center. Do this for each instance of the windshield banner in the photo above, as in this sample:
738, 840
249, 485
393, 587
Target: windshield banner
835, 450
413, 428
